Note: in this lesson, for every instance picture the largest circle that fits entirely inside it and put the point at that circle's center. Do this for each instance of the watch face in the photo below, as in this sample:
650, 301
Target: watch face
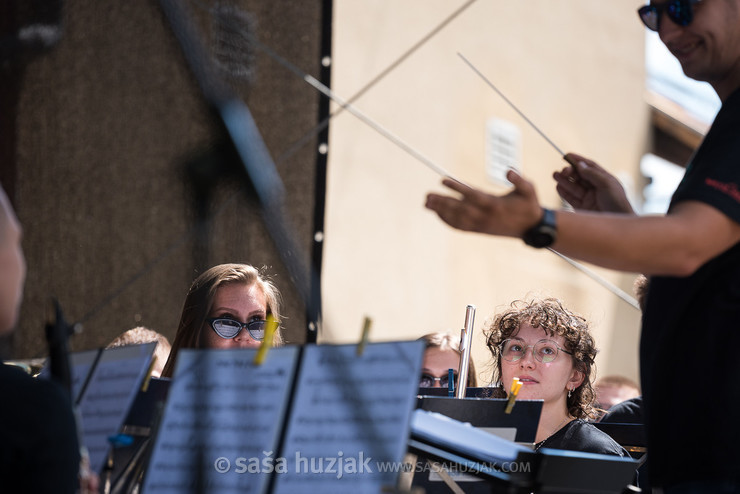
544, 233
543, 236
542, 239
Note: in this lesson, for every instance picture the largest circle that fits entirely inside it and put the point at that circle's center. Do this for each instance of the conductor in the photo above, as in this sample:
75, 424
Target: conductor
692, 256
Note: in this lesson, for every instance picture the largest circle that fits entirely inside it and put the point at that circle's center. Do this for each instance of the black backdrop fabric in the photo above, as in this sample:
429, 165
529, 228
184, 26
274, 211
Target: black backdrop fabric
114, 161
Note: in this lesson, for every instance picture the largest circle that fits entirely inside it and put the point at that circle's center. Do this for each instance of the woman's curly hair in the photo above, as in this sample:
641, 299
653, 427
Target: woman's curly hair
550, 315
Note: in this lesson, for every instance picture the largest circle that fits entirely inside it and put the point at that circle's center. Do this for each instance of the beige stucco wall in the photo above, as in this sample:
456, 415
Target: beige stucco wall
575, 67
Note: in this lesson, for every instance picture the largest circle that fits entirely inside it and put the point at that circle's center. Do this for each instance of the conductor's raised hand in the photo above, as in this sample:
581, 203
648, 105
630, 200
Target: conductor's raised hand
472, 210
587, 186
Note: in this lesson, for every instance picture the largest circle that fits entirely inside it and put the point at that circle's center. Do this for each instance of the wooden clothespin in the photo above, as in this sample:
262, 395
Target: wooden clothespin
145, 384
365, 334
270, 328
516, 385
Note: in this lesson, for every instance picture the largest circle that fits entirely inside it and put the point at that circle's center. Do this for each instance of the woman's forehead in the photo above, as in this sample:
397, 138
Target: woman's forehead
528, 332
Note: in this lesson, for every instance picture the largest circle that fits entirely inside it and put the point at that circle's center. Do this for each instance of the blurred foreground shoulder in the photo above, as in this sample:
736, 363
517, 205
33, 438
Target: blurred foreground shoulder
39, 450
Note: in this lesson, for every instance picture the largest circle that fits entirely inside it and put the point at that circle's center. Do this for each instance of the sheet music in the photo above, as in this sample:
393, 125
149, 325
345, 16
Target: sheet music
109, 394
350, 418
447, 433
81, 364
221, 422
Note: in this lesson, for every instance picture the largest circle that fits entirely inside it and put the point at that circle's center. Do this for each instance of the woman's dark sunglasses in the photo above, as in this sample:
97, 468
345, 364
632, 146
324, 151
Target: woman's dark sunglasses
679, 11
229, 328
427, 381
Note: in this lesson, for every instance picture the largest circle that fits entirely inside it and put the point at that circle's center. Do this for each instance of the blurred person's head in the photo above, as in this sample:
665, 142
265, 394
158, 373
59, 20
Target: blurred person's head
442, 353
139, 335
12, 266
614, 389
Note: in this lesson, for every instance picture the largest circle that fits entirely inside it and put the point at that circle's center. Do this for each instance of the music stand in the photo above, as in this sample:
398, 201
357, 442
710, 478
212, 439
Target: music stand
484, 413
489, 413
630, 436
572, 472
511, 468
127, 461
469, 392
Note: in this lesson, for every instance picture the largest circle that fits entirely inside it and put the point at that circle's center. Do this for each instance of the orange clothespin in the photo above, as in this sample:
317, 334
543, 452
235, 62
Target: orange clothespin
516, 385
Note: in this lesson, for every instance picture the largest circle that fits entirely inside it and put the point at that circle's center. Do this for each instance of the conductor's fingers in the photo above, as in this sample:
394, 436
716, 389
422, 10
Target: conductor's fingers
570, 195
457, 186
455, 212
521, 185
470, 195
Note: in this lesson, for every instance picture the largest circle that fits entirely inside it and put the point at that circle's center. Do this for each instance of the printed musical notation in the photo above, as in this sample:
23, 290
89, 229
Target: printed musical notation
312, 419
350, 416
104, 385
223, 412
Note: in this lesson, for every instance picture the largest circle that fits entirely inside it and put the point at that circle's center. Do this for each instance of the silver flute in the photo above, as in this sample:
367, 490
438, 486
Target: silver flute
466, 339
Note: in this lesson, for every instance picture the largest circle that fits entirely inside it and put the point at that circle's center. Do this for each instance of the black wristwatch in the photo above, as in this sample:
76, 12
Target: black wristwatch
544, 233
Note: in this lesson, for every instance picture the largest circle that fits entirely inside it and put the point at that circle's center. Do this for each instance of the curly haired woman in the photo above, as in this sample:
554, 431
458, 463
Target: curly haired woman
551, 350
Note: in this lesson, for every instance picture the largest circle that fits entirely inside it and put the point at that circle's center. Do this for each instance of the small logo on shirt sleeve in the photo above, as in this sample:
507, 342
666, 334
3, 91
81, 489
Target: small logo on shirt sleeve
726, 188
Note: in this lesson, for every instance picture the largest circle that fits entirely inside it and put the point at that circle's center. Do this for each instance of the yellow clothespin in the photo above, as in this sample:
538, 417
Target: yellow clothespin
516, 385
145, 384
270, 328
365, 334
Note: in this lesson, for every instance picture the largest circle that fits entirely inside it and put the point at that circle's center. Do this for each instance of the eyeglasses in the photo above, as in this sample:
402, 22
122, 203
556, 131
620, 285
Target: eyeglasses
679, 11
428, 381
545, 351
229, 328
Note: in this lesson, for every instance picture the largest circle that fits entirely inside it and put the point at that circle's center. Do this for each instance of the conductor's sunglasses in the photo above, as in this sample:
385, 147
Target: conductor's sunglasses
229, 328
679, 11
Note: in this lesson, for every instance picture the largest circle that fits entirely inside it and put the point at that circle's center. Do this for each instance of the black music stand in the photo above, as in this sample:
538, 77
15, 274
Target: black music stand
630, 436
508, 468
127, 461
573, 472
469, 392
490, 413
